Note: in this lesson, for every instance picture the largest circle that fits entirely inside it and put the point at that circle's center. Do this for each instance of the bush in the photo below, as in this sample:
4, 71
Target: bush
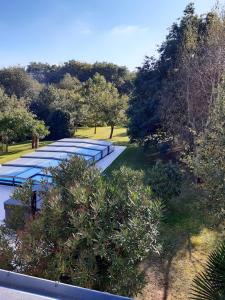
93, 231
165, 180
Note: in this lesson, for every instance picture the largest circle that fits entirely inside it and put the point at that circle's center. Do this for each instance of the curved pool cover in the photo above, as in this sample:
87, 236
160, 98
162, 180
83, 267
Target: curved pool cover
33, 165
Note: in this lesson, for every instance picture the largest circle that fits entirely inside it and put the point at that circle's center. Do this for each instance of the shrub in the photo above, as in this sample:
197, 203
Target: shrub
91, 230
165, 180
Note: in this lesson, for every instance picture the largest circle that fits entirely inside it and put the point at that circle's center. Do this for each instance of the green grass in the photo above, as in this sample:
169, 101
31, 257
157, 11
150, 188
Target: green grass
17, 150
119, 135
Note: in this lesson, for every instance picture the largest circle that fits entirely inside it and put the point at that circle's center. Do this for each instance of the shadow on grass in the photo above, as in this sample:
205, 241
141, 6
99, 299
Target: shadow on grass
184, 217
133, 157
122, 134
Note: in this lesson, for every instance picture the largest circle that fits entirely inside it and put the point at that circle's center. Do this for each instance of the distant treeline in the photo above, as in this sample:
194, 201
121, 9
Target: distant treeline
64, 97
45, 73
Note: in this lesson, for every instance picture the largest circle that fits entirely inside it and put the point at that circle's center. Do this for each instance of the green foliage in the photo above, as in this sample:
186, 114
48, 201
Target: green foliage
95, 103
210, 284
95, 230
105, 103
143, 110
53, 74
16, 122
17, 82
145, 106
174, 92
39, 129
208, 161
70, 83
47, 108
165, 180
6, 251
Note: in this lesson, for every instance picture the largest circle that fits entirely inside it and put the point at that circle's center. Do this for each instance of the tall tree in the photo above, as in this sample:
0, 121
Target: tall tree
105, 103
46, 108
174, 92
143, 111
95, 93
190, 91
208, 160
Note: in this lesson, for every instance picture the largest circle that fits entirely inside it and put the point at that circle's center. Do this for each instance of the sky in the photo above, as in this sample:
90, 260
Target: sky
118, 31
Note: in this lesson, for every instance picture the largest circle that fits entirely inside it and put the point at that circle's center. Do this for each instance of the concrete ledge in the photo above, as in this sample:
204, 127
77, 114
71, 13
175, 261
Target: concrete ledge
17, 284
104, 163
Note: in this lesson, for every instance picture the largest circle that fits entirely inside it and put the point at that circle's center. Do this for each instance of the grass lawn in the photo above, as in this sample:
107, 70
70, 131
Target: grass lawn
188, 235
119, 135
17, 150
133, 157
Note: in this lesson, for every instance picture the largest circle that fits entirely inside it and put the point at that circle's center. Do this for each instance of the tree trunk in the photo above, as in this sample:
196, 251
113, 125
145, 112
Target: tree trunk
6, 147
33, 142
95, 131
111, 133
37, 142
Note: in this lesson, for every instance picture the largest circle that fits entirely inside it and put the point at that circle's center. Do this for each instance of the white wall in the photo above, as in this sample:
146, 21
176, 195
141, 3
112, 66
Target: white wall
5, 193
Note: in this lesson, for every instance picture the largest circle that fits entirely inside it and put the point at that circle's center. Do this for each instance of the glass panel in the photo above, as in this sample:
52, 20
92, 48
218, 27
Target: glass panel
79, 145
51, 155
29, 173
74, 150
12, 171
94, 142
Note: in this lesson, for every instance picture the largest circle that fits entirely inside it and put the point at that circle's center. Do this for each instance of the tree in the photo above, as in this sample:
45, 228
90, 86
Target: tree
174, 93
8, 103
145, 106
105, 103
92, 231
70, 83
38, 130
95, 92
143, 111
16, 81
46, 107
210, 284
189, 92
12, 126
19, 124
73, 103
114, 108
53, 74
208, 158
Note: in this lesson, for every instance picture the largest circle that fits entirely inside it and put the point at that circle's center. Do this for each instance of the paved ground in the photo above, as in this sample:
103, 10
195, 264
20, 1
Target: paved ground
106, 161
12, 294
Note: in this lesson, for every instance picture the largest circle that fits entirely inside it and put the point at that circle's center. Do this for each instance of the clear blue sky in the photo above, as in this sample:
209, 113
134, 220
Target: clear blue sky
118, 31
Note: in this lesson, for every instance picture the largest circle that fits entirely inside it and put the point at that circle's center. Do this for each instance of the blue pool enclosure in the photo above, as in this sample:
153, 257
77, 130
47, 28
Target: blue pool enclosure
33, 165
